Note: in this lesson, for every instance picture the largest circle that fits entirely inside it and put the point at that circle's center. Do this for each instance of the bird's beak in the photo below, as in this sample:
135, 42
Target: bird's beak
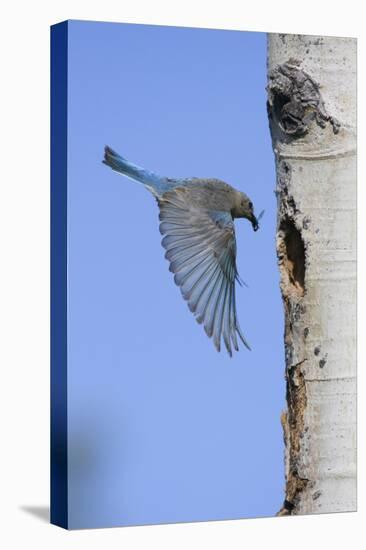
254, 222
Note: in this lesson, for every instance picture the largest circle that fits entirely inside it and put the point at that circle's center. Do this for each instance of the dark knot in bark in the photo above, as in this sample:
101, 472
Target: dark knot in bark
294, 101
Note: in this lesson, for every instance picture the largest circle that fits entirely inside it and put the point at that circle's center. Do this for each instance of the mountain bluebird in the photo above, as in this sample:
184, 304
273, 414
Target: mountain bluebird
197, 221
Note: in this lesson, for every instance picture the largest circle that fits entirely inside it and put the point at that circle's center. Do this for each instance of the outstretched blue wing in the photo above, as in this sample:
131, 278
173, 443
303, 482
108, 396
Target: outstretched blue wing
201, 248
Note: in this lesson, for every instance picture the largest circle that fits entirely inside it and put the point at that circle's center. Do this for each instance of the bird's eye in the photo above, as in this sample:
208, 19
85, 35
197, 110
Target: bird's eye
250, 204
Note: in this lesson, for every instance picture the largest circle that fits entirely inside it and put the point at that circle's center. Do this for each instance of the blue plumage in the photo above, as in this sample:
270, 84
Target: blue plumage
197, 221
155, 183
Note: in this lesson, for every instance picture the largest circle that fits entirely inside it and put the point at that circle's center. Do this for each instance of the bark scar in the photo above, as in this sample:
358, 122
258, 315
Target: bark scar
294, 101
293, 428
291, 252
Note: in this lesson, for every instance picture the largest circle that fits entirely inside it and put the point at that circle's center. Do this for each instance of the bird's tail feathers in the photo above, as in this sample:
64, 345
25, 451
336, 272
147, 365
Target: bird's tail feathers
127, 168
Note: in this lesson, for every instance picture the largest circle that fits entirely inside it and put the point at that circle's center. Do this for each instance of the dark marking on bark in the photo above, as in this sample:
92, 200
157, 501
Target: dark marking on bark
306, 222
323, 361
291, 250
293, 427
296, 400
287, 206
318, 41
282, 38
294, 102
306, 332
286, 508
317, 350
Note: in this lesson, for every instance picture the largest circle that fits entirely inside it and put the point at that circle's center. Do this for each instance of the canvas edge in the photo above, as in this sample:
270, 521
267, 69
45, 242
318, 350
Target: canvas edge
58, 313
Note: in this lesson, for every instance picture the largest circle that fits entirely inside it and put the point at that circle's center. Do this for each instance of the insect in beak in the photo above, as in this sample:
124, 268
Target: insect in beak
255, 221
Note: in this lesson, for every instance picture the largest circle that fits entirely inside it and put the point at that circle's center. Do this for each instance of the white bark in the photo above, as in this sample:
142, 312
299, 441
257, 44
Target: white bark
314, 139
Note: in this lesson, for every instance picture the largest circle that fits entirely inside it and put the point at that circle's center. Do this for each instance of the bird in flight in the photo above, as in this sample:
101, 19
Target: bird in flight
197, 223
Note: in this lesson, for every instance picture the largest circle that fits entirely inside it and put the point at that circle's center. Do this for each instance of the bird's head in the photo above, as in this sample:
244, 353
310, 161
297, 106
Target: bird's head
244, 209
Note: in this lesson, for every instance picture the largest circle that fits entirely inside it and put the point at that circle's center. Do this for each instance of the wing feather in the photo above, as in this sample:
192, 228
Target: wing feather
200, 246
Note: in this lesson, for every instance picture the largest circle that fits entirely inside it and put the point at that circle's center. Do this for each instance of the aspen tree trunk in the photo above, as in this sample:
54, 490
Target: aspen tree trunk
312, 115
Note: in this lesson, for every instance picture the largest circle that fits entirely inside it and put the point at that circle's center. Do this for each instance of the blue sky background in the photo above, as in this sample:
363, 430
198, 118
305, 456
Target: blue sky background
161, 427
